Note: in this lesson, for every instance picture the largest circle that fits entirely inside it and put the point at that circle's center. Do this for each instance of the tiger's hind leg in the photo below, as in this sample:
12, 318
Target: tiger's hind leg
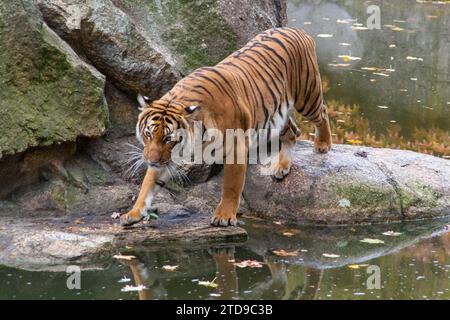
322, 140
281, 165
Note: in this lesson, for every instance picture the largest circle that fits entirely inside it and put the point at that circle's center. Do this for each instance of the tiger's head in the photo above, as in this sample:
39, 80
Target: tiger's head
158, 125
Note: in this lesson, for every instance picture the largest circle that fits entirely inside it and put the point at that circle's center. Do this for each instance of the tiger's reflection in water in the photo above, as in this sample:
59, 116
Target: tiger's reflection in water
284, 282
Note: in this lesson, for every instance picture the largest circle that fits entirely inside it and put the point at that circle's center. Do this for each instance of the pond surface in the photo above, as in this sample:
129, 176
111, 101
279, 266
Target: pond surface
317, 263
399, 73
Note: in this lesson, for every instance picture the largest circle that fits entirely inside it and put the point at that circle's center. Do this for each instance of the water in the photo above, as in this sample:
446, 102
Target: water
412, 265
411, 54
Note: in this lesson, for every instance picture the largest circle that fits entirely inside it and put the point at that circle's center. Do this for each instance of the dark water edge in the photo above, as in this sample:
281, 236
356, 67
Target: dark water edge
413, 265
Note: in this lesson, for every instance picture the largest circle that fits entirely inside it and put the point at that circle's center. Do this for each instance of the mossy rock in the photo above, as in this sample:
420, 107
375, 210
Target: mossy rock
47, 94
194, 31
344, 187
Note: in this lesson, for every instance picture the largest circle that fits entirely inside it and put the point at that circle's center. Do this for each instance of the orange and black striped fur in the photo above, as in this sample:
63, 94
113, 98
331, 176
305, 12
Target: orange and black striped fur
256, 87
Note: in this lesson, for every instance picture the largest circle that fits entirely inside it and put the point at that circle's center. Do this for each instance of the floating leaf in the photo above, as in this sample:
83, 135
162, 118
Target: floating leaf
398, 29
124, 279
324, 35
381, 74
347, 58
339, 65
249, 264
215, 294
392, 233
359, 28
129, 288
357, 266
372, 241
288, 234
170, 268
330, 255
283, 253
410, 58
210, 284
123, 257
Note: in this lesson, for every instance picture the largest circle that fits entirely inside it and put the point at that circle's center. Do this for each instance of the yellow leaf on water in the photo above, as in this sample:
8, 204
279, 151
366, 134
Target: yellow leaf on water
249, 264
123, 257
170, 268
129, 288
330, 255
348, 58
392, 233
283, 253
325, 35
372, 241
210, 284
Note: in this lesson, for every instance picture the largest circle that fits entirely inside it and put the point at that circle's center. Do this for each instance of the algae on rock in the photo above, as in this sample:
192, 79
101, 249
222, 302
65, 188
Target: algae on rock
47, 94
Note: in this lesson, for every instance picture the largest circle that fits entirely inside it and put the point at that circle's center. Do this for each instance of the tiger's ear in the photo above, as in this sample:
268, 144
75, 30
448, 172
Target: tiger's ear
191, 110
144, 101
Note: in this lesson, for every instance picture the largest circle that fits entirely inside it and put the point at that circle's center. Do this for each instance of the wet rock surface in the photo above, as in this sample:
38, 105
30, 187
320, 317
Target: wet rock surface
54, 243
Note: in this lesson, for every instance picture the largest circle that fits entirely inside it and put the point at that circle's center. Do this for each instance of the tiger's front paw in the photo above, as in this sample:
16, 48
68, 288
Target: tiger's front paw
130, 218
322, 146
281, 168
224, 217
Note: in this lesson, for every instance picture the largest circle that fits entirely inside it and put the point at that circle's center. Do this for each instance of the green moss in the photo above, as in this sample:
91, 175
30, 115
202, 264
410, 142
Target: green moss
193, 30
418, 195
57, 193
47, 95
363, 195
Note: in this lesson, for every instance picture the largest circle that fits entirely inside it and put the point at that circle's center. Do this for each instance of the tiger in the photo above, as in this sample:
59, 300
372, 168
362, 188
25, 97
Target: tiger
258, 86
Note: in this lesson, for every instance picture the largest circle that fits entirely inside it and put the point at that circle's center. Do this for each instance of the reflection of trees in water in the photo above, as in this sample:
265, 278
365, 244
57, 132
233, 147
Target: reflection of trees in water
423, 31
349, 126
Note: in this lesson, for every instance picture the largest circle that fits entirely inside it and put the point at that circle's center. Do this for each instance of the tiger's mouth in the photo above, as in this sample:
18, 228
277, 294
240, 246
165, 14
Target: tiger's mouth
156, 165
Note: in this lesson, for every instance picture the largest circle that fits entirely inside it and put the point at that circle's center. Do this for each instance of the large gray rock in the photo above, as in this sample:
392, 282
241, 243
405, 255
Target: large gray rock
47, 94
201, 33
107, 37
141, 46
353, 185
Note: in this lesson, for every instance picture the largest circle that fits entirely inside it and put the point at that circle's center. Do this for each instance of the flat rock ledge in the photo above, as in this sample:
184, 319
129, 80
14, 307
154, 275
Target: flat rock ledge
352, 185
51, 244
